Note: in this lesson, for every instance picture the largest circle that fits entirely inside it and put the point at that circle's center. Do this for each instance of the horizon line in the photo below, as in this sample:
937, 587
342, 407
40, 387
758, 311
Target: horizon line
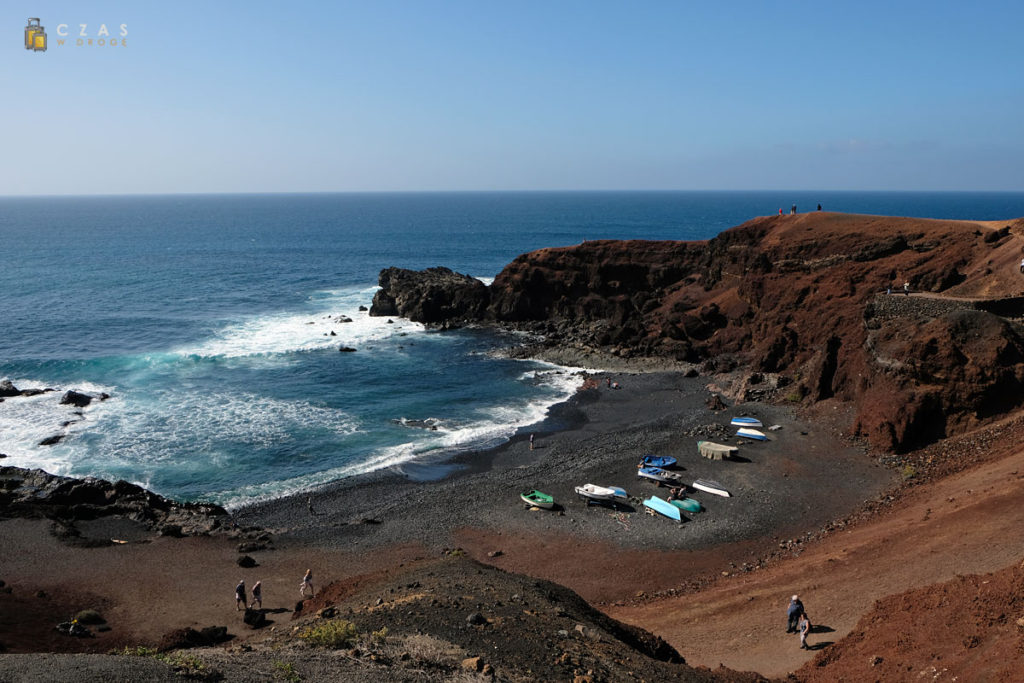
72, 195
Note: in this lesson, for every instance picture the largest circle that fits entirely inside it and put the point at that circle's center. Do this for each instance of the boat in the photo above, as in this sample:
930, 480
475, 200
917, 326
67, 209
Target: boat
538, 499
715, 451
664, 507
658, 474
602, 493
710, 486
662, 461
746, 422
751, 434
688, 504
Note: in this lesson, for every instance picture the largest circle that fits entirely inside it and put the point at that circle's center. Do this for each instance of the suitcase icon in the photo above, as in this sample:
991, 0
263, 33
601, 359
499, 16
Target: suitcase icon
35, 36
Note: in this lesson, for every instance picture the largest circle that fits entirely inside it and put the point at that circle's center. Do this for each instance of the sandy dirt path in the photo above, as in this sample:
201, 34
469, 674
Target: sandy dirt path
968, 523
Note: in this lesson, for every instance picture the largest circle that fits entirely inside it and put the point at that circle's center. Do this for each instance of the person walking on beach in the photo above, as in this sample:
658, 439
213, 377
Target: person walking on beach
805, 628
257, 595
307, 582
240, 595
793, 614
309, 505
531, 442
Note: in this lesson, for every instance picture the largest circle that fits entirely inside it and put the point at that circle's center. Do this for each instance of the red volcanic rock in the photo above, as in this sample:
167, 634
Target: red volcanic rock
804, 295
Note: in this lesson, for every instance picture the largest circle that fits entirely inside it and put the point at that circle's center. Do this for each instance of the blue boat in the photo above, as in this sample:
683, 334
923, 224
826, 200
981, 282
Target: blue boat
659, 475
662, 461
664, 507
745, 422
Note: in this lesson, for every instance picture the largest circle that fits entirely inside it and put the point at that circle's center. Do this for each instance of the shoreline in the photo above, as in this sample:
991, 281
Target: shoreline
601, 435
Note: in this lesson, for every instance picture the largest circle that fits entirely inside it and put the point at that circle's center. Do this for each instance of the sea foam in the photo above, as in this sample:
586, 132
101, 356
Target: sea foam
310, 330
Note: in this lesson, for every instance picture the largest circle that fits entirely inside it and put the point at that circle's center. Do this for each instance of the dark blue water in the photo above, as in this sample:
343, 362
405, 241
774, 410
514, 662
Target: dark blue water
207, 318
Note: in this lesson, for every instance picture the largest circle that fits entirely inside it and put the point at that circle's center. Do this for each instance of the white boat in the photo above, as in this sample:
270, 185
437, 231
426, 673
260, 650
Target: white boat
713, 487
715, 451
751, 434
658, 474
746, 422
595, 492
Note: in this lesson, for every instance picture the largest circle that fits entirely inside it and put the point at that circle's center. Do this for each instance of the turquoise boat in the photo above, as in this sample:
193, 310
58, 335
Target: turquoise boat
663, 507
688, 504
538, 499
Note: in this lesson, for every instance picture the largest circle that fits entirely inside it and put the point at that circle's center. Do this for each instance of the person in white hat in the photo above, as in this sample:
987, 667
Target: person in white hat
795, 611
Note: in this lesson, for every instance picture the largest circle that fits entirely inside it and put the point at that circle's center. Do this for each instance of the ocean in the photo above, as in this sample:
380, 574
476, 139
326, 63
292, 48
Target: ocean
208, 320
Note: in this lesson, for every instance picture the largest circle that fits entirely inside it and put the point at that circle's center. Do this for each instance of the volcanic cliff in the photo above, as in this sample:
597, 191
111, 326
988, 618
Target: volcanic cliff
817, 298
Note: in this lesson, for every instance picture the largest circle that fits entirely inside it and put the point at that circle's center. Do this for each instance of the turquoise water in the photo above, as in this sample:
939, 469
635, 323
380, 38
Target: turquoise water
208, 318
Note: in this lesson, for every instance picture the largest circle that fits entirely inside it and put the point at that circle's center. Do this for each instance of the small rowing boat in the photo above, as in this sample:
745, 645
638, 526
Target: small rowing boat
746, 422
662, 461
538, 499
658, 474
601, 493
664, 507
751, 434
688, 504
715, 451
710, 486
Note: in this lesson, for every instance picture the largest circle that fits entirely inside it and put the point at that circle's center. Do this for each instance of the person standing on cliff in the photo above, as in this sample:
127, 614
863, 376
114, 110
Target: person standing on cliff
240, 595
307, 582
793, 614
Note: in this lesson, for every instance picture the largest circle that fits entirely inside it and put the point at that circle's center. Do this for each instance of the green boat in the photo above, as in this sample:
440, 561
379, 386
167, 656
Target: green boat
688, 504
538, 499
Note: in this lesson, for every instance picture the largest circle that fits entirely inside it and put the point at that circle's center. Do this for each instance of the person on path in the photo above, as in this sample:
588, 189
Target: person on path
1022, 265
257, 595
531, 442
307, 582
805, 628
793, 614
906, 288
240, 595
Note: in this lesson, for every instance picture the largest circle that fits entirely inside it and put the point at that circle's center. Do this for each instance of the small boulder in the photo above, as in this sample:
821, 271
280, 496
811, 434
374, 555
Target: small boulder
246, 562
255, 618
52, 440
472, 664
74, 398
363, 308
476, 619
346, 349
8, 389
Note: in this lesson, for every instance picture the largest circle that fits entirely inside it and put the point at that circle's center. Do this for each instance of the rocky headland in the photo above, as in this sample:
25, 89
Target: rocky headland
814, 302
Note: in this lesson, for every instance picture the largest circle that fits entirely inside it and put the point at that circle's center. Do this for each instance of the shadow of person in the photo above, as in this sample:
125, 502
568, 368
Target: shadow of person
822, 628
820, 646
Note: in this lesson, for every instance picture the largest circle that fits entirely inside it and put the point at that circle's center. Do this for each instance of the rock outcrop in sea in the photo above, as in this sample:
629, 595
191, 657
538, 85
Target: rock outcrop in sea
815, 299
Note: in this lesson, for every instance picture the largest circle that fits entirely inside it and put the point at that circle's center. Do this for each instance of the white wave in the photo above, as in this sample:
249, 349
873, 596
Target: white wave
310, 330
143, 433
27, 420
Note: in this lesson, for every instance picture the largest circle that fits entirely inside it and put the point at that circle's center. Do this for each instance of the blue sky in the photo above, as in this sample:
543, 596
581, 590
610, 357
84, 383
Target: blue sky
482, 95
